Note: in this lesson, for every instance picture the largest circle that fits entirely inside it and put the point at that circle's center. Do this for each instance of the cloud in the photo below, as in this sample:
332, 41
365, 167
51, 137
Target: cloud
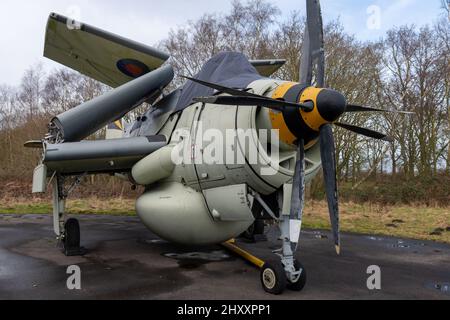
146, 21
149, 21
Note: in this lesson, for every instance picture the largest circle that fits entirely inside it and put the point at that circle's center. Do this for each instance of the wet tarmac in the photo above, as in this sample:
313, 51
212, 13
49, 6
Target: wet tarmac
126, 261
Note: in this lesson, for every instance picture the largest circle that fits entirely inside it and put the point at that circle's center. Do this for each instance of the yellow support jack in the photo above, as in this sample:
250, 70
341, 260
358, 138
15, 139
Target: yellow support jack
231, 245
272, 273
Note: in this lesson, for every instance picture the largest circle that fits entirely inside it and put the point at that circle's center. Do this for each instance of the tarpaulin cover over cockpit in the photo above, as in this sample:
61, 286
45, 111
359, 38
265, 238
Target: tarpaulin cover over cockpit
229, 69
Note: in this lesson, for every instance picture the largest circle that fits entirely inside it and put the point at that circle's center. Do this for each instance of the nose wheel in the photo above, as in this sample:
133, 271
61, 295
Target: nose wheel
274, 279
301, 282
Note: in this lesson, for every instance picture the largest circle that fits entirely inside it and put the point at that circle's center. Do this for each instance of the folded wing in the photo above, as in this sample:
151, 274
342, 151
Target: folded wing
101, 55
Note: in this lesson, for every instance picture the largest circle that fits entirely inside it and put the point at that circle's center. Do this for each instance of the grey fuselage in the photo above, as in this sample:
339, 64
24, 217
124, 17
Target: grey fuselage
197, 201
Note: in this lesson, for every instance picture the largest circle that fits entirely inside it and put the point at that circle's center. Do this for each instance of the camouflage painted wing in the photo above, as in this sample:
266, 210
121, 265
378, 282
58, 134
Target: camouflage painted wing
103, 56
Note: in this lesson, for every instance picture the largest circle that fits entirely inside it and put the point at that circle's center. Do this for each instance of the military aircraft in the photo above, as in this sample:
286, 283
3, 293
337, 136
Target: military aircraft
193, 201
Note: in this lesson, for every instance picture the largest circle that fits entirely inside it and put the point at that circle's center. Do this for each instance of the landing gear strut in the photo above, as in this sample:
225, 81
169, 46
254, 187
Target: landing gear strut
68, 232
287, 272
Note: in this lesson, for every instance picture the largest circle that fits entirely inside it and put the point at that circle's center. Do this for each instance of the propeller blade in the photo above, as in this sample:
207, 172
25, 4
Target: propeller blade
261, 101
365, 132
298, 191
313, 46
328, 154
306, 63
358, 108
230, 91
315, 29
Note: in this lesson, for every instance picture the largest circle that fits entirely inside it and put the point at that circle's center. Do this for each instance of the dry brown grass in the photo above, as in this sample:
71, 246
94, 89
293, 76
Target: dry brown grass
410, 221
91, 205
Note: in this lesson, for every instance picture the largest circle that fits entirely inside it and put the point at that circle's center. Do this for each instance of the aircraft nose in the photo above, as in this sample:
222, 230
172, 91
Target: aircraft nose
331, 104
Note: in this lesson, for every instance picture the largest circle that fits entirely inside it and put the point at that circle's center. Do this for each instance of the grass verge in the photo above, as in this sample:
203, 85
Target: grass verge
95, 206
407, 221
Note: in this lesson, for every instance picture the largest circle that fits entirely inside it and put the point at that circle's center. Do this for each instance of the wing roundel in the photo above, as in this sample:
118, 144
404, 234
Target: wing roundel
101, 55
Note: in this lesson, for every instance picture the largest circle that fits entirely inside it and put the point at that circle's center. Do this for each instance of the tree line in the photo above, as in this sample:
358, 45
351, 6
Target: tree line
408, 70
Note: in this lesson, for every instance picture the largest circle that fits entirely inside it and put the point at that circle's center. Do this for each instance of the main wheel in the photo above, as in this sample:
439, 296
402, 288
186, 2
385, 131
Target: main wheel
71, 241
301, 282
273, 277
72, 234
258, 227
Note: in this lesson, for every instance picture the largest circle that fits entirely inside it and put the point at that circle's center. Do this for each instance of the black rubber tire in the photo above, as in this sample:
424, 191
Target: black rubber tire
273, 277
300, 284
258, 227
72, 234
248, 234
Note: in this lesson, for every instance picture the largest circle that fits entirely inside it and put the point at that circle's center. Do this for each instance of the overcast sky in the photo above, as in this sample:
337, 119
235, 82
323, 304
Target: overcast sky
22, 22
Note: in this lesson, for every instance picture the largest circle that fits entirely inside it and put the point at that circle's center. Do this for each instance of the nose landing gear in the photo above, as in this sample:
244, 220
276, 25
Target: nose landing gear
285, 272
273, 275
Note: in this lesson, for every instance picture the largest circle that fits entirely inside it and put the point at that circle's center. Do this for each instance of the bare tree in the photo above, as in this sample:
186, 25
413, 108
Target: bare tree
286, 43
245, 29
409, 70
31, 88
445, 4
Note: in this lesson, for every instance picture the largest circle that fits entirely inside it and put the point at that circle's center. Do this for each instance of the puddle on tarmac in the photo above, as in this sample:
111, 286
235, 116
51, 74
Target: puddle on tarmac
443, 287
156, 241
319, 235
401, 245
194, 260
372, 238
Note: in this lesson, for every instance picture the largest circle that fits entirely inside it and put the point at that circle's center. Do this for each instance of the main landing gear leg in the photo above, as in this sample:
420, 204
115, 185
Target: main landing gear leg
68, 232
288, 272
